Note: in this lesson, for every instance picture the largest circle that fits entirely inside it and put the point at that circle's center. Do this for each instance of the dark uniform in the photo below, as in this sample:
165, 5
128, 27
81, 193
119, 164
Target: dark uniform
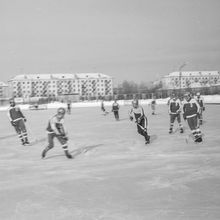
174, 111
69, 107
115, 109
17, 120
190, 113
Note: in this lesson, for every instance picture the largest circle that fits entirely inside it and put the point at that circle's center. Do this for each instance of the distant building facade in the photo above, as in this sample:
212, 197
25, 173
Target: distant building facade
4, 91
55, 85
190, 79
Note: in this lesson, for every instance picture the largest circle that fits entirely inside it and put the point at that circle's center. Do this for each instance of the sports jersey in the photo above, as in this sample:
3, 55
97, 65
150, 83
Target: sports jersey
190, 108
115, 107
55, 125
200, 101
174, 106
137, 112
153, 102
15, 114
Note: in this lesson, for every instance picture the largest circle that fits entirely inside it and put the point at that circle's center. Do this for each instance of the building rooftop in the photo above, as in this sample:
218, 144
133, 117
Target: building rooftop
3, 84
60, 76
193, 73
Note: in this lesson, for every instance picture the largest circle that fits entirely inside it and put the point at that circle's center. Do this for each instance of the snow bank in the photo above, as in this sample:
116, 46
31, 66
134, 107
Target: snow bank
208, 99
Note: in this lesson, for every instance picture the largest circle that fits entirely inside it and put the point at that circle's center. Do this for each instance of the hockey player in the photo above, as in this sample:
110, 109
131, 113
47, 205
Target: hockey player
103, 108
190, 113
17, 120
115, 109
174, 112
200, 101
153, 106
56, 129
69, 107
137, 113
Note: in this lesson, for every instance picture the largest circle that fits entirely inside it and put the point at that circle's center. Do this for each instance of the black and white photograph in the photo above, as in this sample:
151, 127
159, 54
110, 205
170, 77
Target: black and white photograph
109, 110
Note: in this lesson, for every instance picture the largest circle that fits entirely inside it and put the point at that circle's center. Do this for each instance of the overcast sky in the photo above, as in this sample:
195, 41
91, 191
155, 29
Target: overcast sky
138, 40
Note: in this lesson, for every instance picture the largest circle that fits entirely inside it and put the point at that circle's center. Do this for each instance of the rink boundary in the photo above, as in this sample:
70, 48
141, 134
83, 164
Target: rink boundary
210, 100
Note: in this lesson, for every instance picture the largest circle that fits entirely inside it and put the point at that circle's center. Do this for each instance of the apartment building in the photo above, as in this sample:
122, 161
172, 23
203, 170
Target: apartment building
55, 85
190, 79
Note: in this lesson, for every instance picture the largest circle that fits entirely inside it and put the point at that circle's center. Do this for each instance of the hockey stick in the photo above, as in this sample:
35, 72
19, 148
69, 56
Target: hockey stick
144, 129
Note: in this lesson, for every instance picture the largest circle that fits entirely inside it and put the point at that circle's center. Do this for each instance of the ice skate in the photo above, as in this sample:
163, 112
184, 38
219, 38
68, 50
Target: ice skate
26, 142
68, 155
44, 152
199, 139
147, 141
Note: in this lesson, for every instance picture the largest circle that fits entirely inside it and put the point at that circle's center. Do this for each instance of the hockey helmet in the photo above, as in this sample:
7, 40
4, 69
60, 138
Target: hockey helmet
135, 103
187, 95
61, 111
173, 95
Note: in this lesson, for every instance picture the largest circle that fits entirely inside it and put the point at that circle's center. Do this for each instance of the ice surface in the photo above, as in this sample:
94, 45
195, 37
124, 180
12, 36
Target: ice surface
118, 177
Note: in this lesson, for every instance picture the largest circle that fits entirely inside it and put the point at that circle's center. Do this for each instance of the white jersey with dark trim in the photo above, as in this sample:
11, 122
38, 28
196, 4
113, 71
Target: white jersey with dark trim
137, 112
56, 126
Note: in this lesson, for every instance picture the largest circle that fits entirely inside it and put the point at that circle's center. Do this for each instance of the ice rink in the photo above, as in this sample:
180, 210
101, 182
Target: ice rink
118, 177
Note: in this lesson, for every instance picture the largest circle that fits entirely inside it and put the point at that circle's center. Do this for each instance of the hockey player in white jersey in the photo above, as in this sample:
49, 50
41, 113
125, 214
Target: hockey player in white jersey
56, 129
137, 113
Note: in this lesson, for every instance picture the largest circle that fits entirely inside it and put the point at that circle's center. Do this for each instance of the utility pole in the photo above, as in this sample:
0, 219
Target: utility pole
180, 75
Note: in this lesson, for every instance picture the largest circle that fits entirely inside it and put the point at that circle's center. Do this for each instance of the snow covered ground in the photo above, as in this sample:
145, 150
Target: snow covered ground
118, 178
208, 99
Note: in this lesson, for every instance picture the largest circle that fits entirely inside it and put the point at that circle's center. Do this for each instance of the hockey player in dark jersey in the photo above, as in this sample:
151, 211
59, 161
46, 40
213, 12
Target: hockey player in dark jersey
56, 129
115, 109
174, 112
18, 120
137, 113
200, 101
69, 107
190, 113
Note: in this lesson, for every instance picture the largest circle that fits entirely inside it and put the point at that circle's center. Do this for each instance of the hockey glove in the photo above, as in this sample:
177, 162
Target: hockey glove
13, 123
25, 119
65, 138
145, 130
131, 118
178, 112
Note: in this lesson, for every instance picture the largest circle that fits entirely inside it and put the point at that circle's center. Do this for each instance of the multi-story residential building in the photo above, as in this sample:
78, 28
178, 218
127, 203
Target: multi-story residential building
190, 79
55, 85
4, 91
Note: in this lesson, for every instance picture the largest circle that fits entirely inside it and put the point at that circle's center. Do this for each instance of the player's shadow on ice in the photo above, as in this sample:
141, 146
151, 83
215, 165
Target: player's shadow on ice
124, 119
83, 150
8, 136
78, 151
